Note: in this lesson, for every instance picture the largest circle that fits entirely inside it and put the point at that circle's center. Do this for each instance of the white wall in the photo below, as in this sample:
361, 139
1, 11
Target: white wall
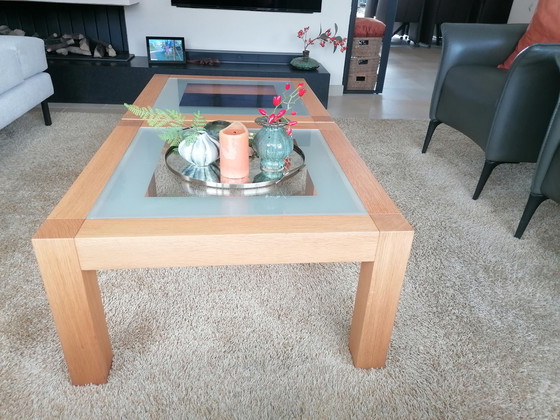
522, 11
236, 30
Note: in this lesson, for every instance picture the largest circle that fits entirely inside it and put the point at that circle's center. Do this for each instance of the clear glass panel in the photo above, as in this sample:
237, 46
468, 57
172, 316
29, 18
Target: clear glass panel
223, 96
142, 187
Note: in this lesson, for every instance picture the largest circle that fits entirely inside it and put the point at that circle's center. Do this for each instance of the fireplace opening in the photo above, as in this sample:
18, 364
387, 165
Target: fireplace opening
102, 27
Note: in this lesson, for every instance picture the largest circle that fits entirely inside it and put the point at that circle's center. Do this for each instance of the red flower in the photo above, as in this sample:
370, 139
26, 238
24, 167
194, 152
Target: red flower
271, 118
262, 111
289, 131
277, 100
281, 113
301, 92
293, 112
292, 123
288, 86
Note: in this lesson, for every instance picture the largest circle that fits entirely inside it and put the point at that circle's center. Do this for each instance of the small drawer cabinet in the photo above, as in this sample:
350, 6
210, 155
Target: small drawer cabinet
362, 74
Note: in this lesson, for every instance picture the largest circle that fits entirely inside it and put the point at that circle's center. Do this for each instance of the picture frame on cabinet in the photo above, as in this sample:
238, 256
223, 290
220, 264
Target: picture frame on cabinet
165, 49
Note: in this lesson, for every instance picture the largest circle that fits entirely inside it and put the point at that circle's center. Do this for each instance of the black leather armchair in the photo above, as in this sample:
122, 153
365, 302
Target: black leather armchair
436, 12
546, 181
505, 112
408, 11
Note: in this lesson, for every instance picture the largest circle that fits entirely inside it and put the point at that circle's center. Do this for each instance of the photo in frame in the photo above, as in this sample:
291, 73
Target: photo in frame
165, 49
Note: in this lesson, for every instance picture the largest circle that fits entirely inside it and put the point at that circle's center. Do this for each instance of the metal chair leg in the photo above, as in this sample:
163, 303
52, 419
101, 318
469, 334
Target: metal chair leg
400, 29
533, 203
46, 112
486, 171
431, 128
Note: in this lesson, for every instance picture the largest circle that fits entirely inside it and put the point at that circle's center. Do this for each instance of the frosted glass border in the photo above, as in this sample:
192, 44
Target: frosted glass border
125, 194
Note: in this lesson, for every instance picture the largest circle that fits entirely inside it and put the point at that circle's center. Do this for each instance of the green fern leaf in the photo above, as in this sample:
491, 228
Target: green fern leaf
173, 121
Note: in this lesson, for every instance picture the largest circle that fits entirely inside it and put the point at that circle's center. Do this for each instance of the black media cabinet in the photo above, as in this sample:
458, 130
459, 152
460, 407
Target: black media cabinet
109, 81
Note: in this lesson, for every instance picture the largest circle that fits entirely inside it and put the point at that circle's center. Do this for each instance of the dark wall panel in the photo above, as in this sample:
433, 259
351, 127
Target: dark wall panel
104, 23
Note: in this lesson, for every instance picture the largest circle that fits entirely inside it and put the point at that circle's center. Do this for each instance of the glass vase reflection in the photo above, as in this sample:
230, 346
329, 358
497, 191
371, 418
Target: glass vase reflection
210, 173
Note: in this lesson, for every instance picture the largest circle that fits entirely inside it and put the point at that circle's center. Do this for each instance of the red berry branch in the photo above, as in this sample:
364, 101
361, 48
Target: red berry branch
288, 99
323, 38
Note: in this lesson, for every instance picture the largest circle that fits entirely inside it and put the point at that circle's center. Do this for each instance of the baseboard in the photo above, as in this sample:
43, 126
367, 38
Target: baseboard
336, 90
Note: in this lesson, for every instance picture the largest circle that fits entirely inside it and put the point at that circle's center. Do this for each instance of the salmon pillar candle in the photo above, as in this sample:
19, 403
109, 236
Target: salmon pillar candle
234, 151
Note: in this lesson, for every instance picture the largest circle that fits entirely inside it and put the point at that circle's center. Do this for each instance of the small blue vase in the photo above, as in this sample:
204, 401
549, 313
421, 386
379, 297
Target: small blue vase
272, 145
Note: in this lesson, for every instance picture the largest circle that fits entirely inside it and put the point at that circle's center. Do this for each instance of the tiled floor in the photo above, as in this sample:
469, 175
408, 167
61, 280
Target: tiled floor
411, 72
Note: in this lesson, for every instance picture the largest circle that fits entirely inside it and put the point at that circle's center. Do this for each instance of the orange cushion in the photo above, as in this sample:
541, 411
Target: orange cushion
368, 28
544, 28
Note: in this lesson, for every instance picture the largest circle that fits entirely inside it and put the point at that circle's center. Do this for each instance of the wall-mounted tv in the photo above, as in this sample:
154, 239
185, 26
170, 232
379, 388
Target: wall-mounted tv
292, 6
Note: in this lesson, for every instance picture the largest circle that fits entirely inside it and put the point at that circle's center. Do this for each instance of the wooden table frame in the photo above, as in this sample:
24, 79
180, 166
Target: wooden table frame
70, 248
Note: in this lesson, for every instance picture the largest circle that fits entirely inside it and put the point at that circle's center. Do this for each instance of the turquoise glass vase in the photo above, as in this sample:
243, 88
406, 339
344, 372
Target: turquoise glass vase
272, 145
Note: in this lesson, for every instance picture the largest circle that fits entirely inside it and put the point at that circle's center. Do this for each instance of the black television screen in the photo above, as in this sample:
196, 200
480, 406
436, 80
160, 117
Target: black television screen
296, 6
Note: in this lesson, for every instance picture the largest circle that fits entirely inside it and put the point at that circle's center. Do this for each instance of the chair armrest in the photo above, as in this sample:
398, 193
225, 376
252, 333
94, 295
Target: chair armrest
30, 52
475, 44
527, 103
478, 43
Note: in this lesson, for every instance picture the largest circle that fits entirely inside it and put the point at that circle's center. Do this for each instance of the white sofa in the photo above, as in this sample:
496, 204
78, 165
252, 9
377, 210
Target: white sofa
23, 81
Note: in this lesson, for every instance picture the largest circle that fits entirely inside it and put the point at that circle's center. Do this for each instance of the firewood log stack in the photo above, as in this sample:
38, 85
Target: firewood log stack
66, 44
78, 44
5, 30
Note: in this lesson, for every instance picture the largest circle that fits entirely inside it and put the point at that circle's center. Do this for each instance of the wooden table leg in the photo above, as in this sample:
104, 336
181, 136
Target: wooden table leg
378, 295
75, 302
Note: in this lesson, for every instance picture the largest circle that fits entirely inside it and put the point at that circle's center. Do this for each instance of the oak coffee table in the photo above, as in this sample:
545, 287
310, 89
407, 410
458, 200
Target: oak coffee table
114, 216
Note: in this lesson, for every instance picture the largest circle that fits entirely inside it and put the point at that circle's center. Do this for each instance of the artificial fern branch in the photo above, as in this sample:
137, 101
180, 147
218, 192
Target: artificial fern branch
174, 122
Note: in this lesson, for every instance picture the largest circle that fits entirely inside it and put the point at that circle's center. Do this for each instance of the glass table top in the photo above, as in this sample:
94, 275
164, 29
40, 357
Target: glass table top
143, 187
223, 96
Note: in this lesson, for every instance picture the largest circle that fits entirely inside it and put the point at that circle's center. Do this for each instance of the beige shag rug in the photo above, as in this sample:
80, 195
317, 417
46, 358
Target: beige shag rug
477, 334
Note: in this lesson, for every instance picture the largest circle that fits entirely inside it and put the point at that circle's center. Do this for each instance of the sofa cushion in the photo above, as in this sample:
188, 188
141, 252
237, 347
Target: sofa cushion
544, 28
20, 99
10, 70
30, 53
368, 28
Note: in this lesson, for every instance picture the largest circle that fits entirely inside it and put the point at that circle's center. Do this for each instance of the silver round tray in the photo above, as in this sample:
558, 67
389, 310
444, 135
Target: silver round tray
209, 176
